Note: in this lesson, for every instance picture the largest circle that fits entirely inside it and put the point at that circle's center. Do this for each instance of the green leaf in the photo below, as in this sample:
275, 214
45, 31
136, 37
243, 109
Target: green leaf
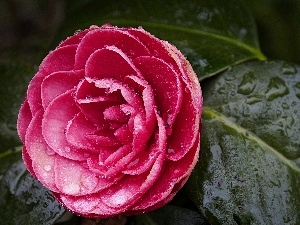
171, 215
249, 169
23, 200
14, 78
212, 35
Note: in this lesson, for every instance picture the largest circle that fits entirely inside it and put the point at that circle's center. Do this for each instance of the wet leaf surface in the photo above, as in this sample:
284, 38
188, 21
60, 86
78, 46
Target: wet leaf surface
23, 200
249, 170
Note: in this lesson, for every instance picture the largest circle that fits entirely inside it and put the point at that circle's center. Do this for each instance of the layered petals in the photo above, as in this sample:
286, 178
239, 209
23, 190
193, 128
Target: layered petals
111, 122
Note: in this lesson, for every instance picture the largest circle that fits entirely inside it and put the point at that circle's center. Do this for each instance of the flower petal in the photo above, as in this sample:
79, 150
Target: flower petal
72, 178
57, 83
36, 147
61, 59
165, 84
187, 122
100, 38
24, 118
77, 130
172, 178
55, 121
109, 62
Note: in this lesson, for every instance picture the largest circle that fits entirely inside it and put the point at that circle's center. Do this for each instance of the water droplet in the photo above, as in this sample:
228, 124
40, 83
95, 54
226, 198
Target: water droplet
276, 88
285, 105
254, 99
288, 69
71, 189
47, 168
248, 84
170, 150
67, 149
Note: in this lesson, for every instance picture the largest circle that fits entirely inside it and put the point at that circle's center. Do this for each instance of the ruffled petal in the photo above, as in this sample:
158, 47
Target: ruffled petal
109, 62
55, 121
24, 118
36, 148
61, 59
100, 38
57, 83
165, 84
172, 178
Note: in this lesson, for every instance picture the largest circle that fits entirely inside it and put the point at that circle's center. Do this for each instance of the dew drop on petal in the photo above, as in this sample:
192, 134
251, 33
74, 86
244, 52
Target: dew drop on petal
170, 150
67, 149
47, 168
71, 189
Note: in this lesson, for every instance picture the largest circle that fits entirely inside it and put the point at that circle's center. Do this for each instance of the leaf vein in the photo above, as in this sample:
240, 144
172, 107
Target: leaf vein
251, 136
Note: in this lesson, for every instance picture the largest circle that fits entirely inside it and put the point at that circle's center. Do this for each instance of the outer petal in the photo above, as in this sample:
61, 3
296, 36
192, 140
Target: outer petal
57, 83
102, 37
109, 62
24, 118
55, 121
42, 163
174, 173
61, 59
165, 84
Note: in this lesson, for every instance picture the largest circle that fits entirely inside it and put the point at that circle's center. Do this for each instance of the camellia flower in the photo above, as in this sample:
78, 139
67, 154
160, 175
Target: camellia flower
111, 120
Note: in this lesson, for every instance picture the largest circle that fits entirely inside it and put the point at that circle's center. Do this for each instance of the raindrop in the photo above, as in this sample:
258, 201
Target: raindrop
248, 84
47, 168
288, 69
285, 105
170, 150
276, 88
254, 99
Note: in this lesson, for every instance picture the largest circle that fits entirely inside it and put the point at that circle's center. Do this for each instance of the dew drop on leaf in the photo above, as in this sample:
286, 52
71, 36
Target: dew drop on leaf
288, 69
276, 88
248, 84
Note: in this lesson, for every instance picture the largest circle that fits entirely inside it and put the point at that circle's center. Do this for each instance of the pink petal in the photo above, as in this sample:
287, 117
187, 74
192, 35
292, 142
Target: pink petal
123, 134
148, 99
61, 59
128, 190
109, 62
88, 206
55, 121
72, 178
187, 124
36, 148
27, 160
129, 95
100, 38
77, 37
57, 83
24, 118
165, 84
117, 155
156, 46
77, 130
143, 161
115, 113
172, 178
92, 101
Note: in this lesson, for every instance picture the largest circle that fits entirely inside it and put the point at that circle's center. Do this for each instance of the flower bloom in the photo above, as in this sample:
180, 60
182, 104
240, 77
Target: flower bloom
110, 123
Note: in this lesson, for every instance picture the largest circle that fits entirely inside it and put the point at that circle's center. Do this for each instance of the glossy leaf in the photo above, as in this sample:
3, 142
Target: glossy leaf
249, 170
23, 200
212, 35
171, 215
14, 78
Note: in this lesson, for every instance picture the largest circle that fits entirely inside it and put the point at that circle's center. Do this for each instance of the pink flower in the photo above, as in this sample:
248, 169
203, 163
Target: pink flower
111, 120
